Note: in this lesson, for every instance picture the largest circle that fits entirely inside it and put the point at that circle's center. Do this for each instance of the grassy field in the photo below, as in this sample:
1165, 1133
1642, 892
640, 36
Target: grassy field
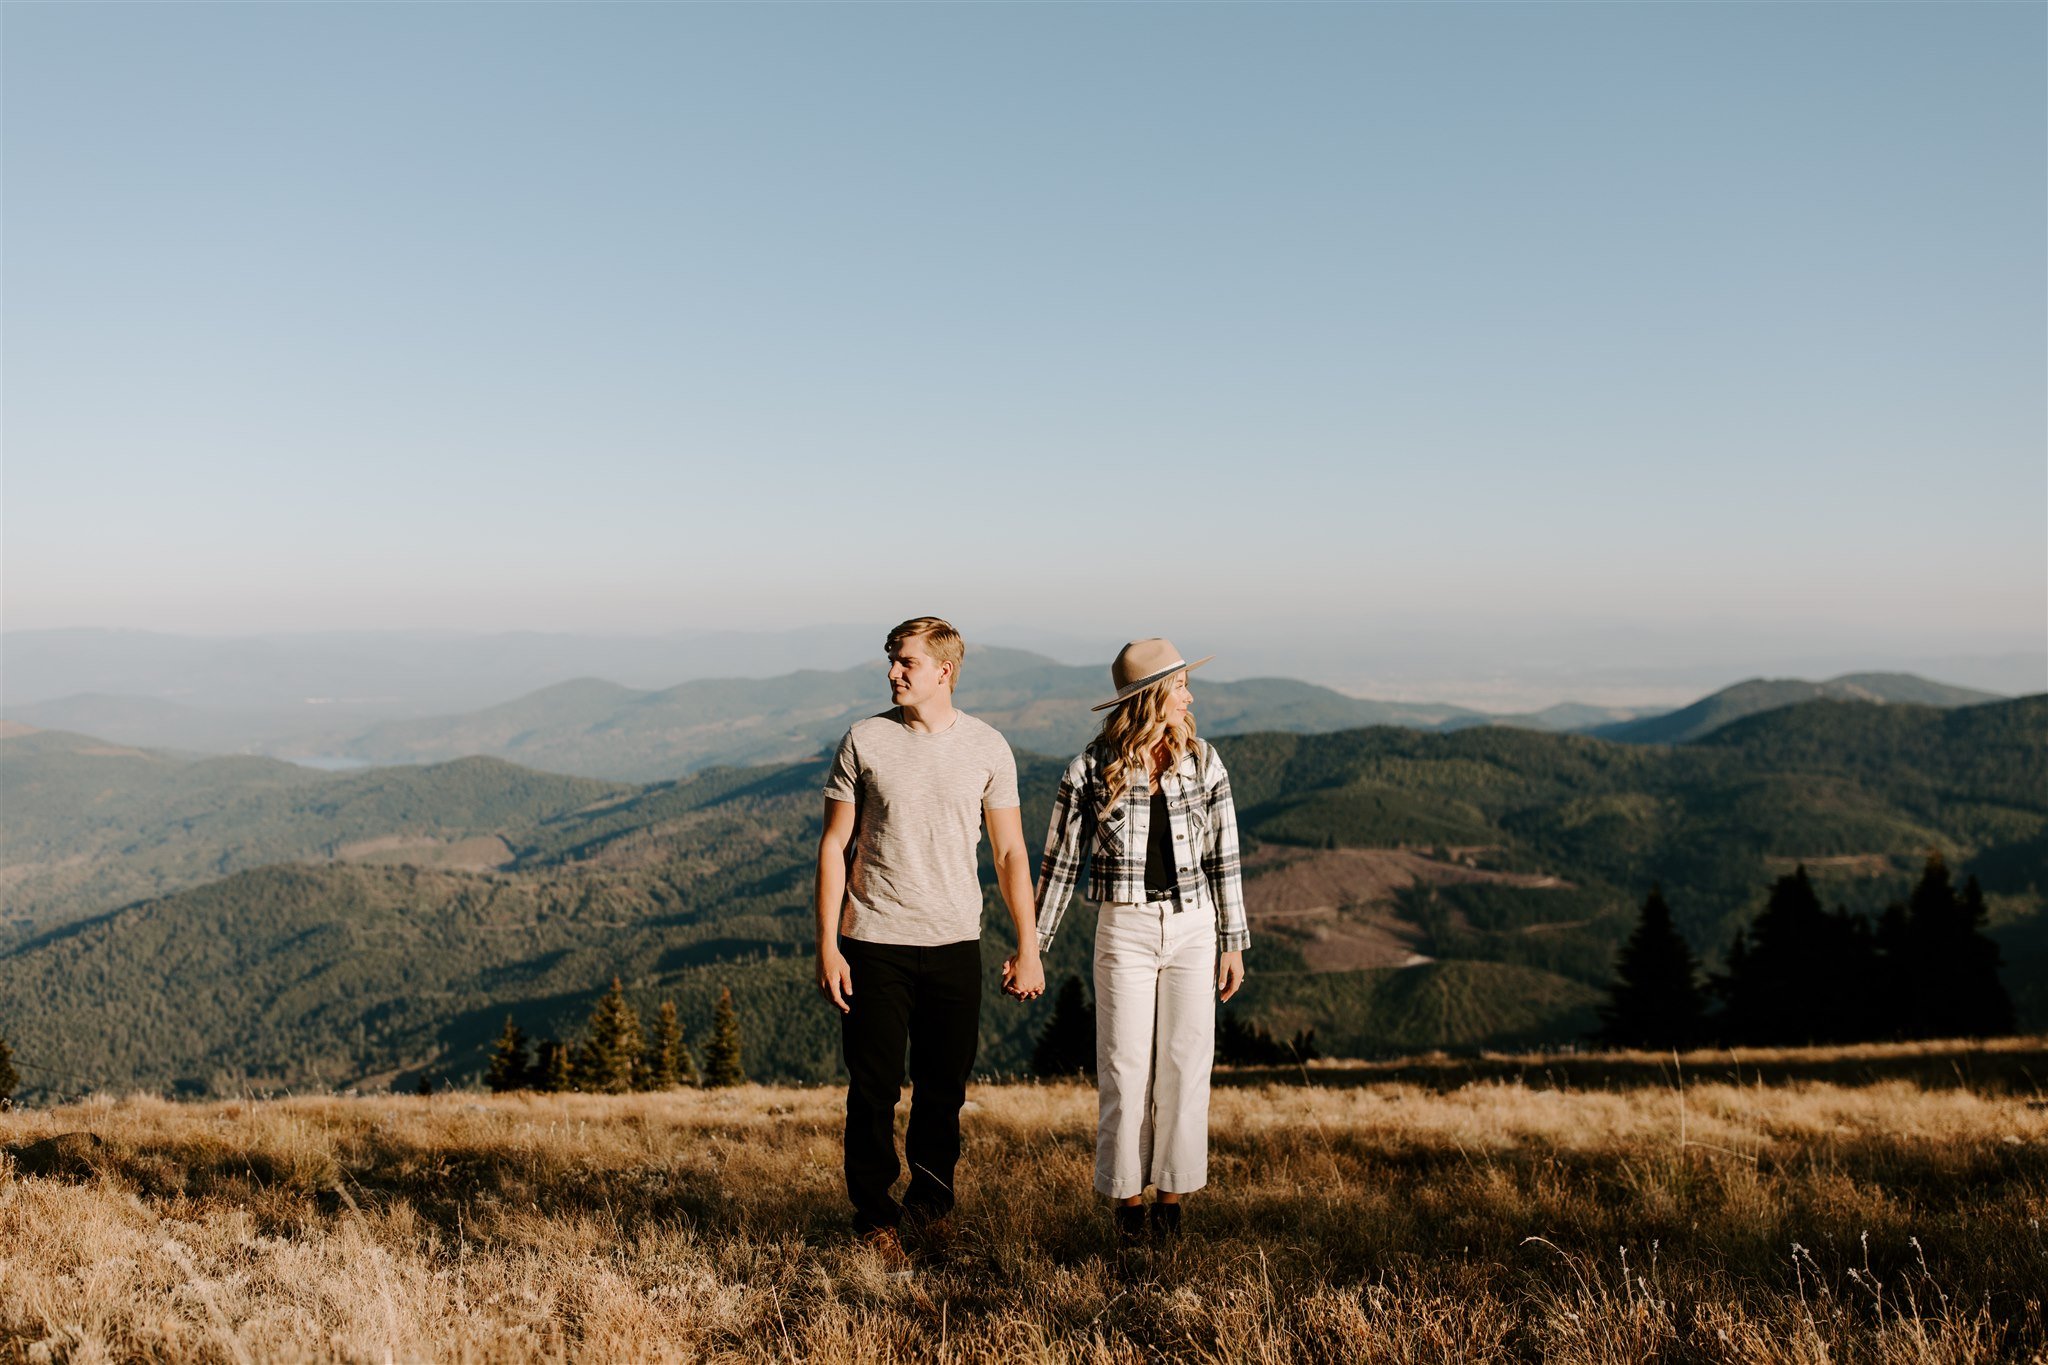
1867, 1204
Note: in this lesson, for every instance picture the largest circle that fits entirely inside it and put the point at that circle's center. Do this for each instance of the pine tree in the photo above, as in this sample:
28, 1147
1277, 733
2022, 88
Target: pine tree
552, 1074
9, 1078
509, 1068
1892, 1011
612, 1045
1941, 965
1655, 1001
722, 1056
1239, 1043
671, 1065
1067, 1047
1800, 974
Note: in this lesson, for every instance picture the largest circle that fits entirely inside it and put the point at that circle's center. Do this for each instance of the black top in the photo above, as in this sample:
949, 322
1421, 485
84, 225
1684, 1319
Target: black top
1159, 872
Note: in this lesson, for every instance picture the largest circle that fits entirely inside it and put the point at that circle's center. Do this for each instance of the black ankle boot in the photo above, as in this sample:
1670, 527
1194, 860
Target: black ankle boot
1130, 1225
1165, 1221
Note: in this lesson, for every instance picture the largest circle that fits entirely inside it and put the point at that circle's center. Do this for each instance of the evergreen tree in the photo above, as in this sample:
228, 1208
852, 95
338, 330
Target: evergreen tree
9, 1079
509, 1068
1941, 967
1067, 1047
1800, 974
612, 1045
552, 1074
1655, 1001
722, 1055
1239, 1043
671, 1065
1242, 1044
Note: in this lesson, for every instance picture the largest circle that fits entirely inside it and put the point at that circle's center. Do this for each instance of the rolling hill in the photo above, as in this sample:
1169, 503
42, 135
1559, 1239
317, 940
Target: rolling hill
1757, 695
91, 825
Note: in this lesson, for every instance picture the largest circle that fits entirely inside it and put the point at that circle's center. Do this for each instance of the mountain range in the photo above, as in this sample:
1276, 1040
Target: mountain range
595, 728
1408, 888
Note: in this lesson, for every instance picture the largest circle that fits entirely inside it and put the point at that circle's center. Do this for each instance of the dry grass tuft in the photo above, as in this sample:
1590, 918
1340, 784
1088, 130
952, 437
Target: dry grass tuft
1379, 1220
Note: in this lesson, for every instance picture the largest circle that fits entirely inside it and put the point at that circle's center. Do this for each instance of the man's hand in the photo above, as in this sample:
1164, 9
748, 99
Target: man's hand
1024, 975
835, 978
1229, 974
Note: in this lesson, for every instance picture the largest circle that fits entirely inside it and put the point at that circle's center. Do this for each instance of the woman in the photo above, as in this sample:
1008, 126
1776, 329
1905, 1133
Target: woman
1151, 803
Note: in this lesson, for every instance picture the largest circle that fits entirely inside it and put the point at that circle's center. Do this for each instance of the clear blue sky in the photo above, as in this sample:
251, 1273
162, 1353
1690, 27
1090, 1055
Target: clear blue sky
631, 317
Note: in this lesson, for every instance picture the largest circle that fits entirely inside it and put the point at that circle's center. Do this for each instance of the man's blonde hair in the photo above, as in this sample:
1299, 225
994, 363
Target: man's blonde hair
940, 640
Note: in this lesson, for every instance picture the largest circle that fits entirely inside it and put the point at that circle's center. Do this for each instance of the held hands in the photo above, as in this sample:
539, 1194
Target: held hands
1024, 975
835, 978
1229, 974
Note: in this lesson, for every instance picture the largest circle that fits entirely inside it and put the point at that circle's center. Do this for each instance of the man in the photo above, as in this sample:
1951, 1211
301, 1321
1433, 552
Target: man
899, 922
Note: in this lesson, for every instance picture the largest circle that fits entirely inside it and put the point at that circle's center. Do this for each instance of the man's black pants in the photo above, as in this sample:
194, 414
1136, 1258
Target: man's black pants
929, 998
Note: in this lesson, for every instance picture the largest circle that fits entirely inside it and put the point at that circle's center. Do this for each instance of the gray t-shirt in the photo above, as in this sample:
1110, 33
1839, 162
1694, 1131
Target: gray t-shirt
919, 798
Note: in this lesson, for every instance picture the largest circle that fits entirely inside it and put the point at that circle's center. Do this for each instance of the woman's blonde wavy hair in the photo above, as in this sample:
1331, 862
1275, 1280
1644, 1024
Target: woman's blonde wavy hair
1134, 730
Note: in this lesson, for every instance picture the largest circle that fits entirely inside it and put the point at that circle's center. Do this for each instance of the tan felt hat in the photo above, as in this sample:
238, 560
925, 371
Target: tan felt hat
1144, 662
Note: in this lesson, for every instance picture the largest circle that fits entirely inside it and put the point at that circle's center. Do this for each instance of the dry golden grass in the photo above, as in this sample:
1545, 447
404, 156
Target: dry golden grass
1373, 1220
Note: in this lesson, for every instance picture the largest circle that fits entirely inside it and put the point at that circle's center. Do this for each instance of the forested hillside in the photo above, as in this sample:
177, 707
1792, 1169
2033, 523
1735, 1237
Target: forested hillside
90, 825
1407, 890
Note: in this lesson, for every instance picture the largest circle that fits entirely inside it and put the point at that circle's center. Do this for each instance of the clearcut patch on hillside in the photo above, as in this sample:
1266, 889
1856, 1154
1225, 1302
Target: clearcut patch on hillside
482, 853
1840, 864
1337, 907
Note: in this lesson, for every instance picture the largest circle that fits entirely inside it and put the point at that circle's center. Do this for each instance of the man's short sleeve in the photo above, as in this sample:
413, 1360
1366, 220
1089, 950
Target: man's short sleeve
1001, 792
842, 779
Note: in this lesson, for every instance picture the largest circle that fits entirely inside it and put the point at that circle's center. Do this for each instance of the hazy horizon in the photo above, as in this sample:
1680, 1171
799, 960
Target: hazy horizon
1620, 667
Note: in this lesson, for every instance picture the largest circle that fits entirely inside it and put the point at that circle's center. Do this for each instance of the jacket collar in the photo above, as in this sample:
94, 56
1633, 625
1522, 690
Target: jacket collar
1184, 769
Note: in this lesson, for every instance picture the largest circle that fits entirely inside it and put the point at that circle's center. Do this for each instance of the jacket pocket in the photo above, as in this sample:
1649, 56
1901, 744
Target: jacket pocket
1195, 819
1112, 828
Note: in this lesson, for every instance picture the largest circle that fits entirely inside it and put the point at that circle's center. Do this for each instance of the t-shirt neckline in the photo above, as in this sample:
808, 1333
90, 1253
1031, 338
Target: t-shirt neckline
951, 725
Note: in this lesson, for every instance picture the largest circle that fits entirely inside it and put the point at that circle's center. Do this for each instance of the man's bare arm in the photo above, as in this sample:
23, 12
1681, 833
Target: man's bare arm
1023, 976
835, 978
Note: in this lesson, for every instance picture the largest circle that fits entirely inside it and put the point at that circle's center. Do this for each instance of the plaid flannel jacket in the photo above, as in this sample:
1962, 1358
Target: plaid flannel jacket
1197, 801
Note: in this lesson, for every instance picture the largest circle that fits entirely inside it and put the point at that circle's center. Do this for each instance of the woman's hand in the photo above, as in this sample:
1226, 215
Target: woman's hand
1023, 975
1229, 974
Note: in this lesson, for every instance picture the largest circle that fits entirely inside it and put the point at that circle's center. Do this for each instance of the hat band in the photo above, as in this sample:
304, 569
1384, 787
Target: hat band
1141, 684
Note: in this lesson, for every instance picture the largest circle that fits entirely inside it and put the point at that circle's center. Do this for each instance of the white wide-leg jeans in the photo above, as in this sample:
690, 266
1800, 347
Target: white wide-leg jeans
1155, 1038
